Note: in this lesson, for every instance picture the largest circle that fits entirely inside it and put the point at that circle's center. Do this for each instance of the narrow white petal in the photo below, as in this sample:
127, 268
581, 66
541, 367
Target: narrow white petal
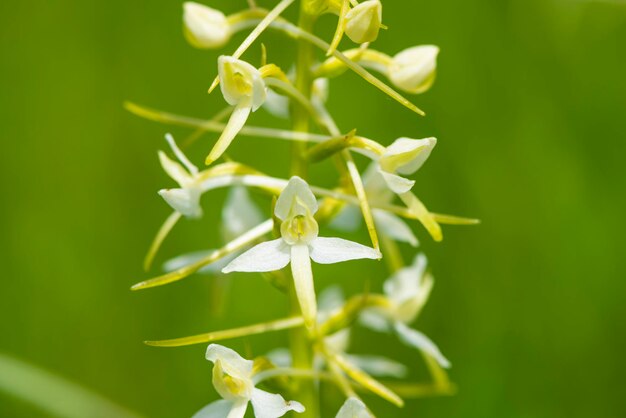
336, 250
396, 183
420, 341
378, 366
217, 409
394, 227
303, 282
180, 155
354, 408
174, 169
269, 405
191, 258
235, 123
238, 410
231, 362
267, 256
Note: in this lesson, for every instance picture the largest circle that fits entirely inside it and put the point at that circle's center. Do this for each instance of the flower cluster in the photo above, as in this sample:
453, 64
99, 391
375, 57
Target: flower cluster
297, 212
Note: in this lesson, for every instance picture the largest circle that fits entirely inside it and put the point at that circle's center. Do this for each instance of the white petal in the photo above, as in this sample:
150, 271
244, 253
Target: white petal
405, 283
396, 183
303, 282
192, 169
331, 299
238, 409
267, 256
348, 219
354, 408
190, 258
420, 341
269, 405
184, 201
235, 123
240, 214
378, 366
336, 250
174, 170
394, 227
232, 363
277, 104
407, 155
217, 409
295, 199
375, 319
241, 80
339, 341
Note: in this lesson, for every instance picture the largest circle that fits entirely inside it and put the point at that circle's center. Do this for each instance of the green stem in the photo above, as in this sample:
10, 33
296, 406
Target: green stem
300, 340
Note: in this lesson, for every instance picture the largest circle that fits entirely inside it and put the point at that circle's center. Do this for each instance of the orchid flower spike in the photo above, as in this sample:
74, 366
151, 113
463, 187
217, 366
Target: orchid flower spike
408, 291
185, 199
243, 87
414, 69
233, 379
299, 243
363, 21
354, 408
204, 27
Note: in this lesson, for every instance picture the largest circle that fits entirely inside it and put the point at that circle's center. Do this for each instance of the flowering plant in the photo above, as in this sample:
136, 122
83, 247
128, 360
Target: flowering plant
290, 234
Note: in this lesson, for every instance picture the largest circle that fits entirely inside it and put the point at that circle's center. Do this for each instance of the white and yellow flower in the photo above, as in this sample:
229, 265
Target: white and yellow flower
243, 87
233, 379
407, 290
414, 69
404, 156
299, 243
204, 27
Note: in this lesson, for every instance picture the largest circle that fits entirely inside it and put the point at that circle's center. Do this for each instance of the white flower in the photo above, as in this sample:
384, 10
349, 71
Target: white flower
354, 408
233, 380
363, 21
404, 156
186, 199
387, 223
205, 28
239, 215
299, 243
407, 290
243, 87
413, 70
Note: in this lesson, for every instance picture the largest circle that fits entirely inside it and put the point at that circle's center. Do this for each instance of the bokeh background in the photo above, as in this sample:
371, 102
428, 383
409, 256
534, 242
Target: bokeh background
529, 108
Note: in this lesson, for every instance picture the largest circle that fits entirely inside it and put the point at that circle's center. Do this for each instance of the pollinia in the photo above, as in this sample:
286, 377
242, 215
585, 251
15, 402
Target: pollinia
285, 242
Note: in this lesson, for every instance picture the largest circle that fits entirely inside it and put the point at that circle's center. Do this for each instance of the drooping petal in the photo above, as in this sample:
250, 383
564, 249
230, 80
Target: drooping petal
378, 366
394, 227
231, 362
269, 405
217, 409
396, 183
336, 250
267, 256
295, 199
420, 341
303, 282
185, 201
354, 408
235, 123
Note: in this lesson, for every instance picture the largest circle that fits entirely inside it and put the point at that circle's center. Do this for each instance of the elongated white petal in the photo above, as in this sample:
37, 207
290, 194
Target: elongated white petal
295, 199
174, 170
269, 405
303, 282
238, 409
354, 408
184, 201
375, 319
420, 341
394, 227
239, 214
378, 366
192, 169
235, 123
217, 409
397, 183
267, 256
336, 250
231, 362
191, 258
407, 155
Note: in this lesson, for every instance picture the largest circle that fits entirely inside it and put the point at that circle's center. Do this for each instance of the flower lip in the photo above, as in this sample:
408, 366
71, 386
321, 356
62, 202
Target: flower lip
204, 27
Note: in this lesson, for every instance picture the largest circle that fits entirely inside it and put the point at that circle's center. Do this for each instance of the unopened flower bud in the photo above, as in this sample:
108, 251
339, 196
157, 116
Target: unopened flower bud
205, 28
363, 21
414, 69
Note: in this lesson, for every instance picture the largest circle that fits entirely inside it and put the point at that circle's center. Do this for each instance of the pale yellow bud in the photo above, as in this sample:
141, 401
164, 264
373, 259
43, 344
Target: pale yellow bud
363, 21
205, 28
414, 69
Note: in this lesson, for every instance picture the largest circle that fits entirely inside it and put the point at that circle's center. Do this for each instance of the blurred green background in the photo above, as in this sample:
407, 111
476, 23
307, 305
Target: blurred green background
530, 111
